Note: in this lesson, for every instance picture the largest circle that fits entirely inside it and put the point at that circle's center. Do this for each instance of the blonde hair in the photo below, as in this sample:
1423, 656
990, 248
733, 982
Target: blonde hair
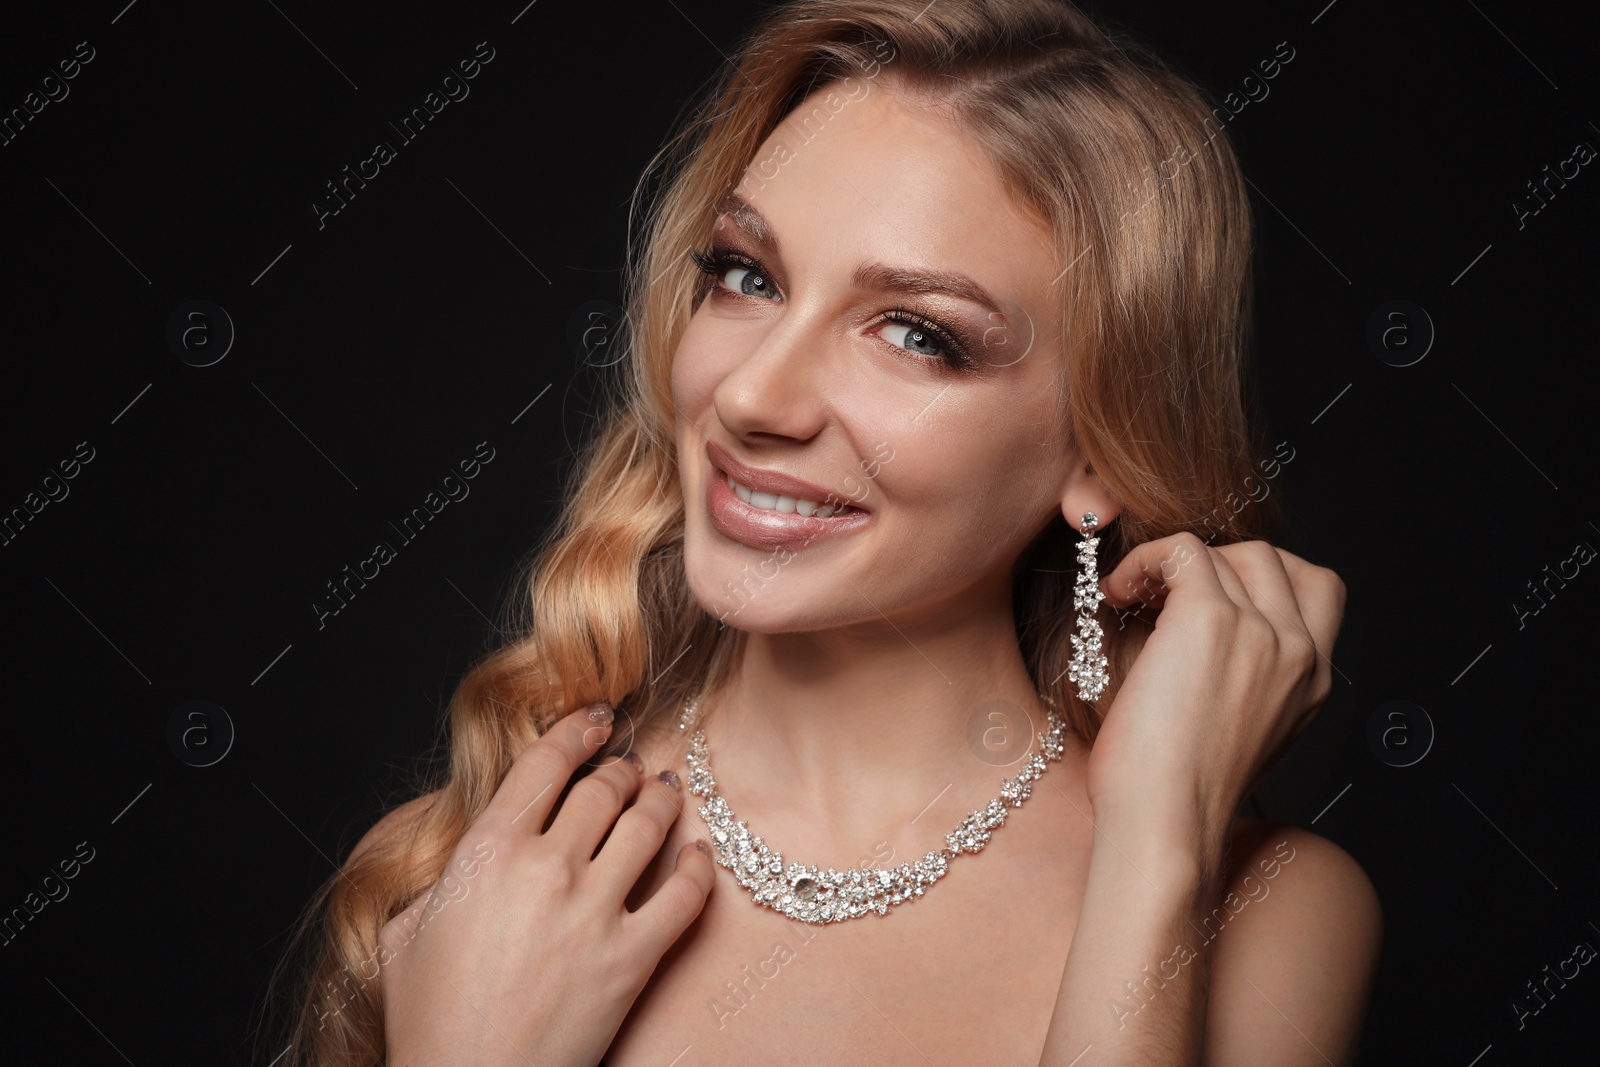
1148, 206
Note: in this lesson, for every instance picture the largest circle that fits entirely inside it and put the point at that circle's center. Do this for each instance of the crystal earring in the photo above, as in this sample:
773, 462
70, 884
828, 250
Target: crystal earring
1087, 667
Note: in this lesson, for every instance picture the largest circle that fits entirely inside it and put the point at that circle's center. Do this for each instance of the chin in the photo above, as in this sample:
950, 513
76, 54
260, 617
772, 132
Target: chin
745, 593
753, 590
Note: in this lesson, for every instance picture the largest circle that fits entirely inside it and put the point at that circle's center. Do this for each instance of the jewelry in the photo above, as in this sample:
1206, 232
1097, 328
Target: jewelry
1088, 665
811, 895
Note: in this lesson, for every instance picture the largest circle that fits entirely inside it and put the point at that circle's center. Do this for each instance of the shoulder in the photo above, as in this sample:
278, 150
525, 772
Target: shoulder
1297, 937
393, 824
1261, 849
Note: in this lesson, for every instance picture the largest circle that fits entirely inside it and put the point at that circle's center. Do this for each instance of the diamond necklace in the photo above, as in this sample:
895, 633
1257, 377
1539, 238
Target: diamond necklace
811, 895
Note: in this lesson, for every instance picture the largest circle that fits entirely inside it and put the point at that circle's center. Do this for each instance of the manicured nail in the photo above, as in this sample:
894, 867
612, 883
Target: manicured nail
633, 758
600, 713
700, 844
671, 778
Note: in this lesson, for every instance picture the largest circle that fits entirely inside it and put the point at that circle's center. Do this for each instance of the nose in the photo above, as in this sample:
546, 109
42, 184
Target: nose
780, 387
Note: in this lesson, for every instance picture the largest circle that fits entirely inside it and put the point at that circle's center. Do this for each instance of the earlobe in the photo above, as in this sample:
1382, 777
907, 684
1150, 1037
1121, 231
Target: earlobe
1087, 494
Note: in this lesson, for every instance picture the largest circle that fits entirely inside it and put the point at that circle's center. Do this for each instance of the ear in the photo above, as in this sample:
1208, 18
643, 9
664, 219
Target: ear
1083, 491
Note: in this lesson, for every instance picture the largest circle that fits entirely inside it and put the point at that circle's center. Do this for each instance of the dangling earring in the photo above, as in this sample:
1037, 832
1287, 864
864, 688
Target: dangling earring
1088, 664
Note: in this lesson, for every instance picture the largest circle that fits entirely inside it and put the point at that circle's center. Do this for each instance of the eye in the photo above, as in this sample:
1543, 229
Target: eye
912, 339
735, 273
742, 279
924, 337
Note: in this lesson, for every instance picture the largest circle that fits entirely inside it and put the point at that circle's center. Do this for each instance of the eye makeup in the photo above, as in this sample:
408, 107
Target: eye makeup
955, 343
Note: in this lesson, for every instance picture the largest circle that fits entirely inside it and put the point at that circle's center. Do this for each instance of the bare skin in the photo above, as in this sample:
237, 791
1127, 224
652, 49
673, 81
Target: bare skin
844, 737
465, 973
969, 974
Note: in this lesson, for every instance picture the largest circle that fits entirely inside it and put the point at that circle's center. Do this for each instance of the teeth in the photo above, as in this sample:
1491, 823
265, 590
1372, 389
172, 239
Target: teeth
784, 505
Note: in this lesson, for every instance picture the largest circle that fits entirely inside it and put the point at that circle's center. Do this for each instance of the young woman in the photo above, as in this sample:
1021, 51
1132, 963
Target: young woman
924, 287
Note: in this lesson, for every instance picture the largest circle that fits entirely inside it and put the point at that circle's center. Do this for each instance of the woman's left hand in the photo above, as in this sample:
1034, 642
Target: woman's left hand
1236, 667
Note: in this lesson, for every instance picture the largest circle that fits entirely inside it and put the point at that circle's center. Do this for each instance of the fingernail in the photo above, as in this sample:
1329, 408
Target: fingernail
700, 844
600, 713
633, 758
671, 778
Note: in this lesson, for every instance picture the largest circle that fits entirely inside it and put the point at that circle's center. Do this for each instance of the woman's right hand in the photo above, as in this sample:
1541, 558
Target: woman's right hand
538, 959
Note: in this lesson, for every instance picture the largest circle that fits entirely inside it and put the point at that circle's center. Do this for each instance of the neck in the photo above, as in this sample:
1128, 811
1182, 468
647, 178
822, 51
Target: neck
840, 743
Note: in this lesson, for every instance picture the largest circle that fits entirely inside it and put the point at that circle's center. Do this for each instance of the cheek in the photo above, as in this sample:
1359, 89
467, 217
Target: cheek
683, 374
964, 510
695, 369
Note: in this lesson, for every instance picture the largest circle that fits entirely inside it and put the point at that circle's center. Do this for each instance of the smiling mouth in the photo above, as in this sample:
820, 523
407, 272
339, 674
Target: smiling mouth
766, 519
785, 505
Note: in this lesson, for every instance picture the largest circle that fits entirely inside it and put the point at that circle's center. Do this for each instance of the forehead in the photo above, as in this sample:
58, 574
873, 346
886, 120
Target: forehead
865, 171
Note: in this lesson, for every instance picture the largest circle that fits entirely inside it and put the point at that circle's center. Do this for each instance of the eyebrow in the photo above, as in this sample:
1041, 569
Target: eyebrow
916, 280
743, 216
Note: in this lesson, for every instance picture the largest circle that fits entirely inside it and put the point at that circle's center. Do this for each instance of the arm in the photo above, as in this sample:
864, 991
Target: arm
1134, 987
1233, 669
1170, 965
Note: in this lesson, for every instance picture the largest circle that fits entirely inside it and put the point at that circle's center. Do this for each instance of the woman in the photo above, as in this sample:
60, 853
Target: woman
935, 301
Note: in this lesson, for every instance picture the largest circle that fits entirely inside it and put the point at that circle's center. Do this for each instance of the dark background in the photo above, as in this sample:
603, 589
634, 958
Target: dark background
373, 354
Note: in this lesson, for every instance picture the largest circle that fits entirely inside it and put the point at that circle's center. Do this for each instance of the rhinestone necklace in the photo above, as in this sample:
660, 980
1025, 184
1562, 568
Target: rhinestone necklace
811, 895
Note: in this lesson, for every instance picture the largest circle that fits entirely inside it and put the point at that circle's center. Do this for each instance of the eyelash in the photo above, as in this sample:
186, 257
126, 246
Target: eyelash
716, 262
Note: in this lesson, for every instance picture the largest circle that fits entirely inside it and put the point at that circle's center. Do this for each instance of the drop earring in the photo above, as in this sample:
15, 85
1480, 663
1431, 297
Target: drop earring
1087, 667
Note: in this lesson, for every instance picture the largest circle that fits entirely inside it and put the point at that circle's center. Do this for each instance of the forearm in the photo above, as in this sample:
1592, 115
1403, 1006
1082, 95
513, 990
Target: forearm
1134, 987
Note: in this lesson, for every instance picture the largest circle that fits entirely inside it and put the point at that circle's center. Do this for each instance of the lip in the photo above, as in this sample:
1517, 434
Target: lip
770, 481
759, 528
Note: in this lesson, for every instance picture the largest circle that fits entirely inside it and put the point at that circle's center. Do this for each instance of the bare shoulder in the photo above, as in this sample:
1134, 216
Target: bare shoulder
1258, 846
1297, 939
394, 823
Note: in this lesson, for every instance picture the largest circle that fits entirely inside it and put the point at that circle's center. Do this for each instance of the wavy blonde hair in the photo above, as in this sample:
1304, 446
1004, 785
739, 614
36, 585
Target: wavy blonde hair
1117, 151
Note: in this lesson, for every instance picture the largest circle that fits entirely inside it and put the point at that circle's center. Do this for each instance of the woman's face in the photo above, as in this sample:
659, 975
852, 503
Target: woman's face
881, 327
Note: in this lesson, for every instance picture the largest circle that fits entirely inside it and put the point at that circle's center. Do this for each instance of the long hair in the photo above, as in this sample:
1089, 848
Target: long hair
1125, 159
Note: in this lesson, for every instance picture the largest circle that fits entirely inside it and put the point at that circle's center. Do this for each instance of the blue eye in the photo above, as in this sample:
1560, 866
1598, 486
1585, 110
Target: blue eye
924, 337
912, 339
735, 273
751, 284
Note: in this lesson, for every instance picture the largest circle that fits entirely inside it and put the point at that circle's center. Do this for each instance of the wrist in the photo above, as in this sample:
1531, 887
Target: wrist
1179, 841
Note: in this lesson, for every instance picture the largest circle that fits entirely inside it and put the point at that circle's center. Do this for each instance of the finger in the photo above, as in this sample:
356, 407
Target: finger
663, 918
1321, 595
1232, 583
1260, 567
1319, 604
638, 835
1151, 571
539, 773
1304, 613
590, 808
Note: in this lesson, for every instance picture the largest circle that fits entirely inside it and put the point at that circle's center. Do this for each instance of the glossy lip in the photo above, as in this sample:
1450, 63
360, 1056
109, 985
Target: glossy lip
759, 528
771, 481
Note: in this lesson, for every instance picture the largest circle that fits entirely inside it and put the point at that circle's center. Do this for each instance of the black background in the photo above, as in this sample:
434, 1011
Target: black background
374, 353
